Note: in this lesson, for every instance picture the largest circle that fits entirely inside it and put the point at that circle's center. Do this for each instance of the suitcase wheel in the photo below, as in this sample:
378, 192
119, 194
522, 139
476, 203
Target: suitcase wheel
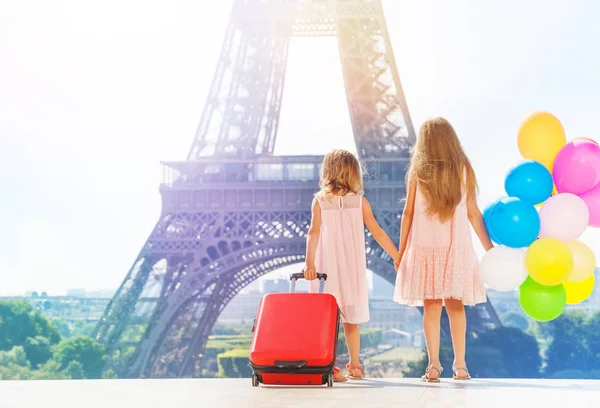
330, 380
255, 381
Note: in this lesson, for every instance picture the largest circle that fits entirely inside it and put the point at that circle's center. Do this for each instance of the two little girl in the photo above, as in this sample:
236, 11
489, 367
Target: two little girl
436, 260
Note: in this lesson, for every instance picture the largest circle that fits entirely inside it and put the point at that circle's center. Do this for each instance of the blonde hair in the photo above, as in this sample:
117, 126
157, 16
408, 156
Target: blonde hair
439, 165
340, 174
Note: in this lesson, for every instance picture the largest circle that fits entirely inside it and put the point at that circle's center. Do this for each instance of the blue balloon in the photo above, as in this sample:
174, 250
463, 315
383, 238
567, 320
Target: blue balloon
530, 181
486, 219
514, 222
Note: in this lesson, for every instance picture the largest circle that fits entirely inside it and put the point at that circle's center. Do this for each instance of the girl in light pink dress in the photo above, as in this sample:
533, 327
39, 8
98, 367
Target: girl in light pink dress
336, 246
438, 264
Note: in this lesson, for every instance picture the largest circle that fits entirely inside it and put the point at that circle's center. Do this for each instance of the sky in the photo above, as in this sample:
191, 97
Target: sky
94, 94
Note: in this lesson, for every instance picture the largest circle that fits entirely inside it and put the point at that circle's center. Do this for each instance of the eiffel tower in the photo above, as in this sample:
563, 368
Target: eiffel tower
233, 211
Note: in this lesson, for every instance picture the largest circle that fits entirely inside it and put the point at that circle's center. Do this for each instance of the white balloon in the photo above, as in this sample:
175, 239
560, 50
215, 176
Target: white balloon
503, 268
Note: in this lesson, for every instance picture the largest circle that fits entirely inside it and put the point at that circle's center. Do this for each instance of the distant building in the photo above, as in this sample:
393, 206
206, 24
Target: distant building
76, 293
274, 286
399, 338
101, 294
241, 309
251, 288
387, 315
93, 294
382, 288
67, 308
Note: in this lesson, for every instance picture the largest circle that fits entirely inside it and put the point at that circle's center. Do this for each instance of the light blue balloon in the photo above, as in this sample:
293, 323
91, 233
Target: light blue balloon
514, 222
487, 213
530, 181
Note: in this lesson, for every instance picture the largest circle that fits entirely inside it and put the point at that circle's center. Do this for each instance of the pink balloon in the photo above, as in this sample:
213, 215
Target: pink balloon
576, 168
592, 199
564, 216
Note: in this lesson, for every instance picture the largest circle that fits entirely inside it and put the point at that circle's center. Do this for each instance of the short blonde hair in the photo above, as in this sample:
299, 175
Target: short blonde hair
341, 174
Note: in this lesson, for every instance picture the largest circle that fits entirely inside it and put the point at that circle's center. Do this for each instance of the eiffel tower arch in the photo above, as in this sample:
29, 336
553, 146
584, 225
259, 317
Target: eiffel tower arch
233, 211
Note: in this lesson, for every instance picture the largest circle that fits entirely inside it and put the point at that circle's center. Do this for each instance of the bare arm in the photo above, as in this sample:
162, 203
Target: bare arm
312, 241
476, 220
407, 215
378, 233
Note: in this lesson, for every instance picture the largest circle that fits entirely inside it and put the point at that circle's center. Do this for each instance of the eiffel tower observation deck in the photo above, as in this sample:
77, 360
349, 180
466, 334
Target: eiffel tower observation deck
233, 211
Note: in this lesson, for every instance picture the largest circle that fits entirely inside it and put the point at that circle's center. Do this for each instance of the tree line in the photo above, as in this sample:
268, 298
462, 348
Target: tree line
33, 347
567, 347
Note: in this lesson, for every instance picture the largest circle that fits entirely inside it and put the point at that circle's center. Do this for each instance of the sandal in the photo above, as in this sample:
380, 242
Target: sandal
354, 372
426, 378
337, 375
456, 377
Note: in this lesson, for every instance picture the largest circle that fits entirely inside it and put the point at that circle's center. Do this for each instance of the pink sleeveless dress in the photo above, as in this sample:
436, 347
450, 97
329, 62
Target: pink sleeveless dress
341, 255
440, 261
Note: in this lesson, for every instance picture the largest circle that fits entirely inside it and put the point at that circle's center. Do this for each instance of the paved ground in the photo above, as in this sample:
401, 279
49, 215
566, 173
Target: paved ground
233, 393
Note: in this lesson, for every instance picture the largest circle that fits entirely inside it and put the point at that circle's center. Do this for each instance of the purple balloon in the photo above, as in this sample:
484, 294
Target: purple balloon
592, 200
576, 168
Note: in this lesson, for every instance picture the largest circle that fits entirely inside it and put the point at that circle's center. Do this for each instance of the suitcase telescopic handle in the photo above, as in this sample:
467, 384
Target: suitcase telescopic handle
300, 275
295, 276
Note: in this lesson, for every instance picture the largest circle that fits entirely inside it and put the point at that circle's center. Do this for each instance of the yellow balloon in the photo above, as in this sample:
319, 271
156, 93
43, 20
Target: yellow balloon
549, 261
577, 292
540, 138
584, 261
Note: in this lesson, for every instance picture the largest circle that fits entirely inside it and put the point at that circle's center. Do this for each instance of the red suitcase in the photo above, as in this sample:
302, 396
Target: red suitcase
295, 337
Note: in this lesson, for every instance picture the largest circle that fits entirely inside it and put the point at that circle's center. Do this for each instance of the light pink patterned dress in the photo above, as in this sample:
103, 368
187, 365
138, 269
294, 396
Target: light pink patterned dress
440, 261
341, 255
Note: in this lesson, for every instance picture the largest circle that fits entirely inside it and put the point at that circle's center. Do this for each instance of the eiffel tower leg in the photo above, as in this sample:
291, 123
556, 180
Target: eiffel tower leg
111, 325
376, 101
241, 113
184, 324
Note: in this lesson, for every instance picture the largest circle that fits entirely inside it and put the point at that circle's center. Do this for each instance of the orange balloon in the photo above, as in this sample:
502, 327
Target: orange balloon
541, 136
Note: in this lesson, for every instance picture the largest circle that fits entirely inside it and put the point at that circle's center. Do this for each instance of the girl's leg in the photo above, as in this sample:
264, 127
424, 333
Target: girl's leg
352, 333
458, 329
432, 314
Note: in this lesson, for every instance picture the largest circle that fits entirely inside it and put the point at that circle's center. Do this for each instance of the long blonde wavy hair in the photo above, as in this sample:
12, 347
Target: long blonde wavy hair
341, 174
439, 165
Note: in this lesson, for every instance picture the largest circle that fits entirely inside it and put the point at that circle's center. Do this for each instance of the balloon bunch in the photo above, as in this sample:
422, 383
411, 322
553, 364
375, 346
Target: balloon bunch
538, 252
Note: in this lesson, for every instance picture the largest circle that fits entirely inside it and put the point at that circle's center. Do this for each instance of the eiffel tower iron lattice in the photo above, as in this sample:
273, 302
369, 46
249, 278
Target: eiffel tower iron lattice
232, 211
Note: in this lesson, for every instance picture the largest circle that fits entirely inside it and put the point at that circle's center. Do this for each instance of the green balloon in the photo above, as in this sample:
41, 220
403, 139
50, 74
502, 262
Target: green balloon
542, 303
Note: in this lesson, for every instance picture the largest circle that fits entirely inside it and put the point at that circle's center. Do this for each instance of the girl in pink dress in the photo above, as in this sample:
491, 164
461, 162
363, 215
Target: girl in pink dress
438, 264
336, 246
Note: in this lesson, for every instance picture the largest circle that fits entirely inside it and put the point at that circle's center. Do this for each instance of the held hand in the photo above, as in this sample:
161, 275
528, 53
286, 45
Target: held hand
310, 272
397, 259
